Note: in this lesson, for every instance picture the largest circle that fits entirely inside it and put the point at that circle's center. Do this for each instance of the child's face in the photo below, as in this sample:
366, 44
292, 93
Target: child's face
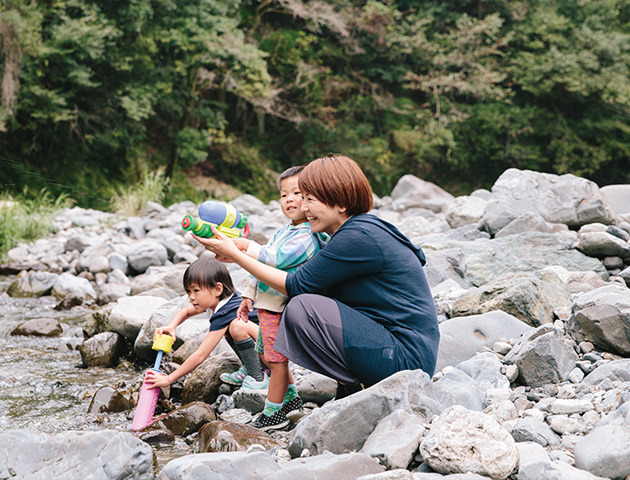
291, 200
203, 298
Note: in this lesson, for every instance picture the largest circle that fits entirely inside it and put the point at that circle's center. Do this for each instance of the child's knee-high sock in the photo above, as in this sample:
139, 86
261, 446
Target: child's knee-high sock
249, 357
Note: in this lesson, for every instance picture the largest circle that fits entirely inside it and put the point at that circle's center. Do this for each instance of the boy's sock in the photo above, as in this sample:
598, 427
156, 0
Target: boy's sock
271, 408
292, 392
249, 357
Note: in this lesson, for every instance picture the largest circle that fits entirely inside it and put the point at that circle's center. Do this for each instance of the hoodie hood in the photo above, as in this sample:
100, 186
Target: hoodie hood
392, 230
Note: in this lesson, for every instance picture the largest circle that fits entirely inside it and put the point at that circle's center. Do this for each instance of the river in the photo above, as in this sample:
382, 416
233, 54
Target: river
43, 386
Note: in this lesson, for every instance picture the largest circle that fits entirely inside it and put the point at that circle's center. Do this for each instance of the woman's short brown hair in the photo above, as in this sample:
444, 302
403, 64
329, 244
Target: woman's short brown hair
337, 180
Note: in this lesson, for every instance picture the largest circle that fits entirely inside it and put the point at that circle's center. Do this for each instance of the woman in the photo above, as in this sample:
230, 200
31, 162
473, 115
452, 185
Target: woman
361, 308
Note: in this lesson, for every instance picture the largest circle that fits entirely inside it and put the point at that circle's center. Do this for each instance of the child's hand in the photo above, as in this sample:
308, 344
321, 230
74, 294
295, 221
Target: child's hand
155, 379
245, 307
165, 331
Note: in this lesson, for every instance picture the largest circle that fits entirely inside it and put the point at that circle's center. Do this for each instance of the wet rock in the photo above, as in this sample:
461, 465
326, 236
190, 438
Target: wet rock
187, 419
102, 350
462, 441
221, 436
39, 327
32, 284
203, 383
108, 399
154, 435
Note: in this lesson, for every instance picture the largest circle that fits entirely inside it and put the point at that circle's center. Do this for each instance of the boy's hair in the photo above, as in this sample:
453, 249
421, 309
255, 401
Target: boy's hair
337, 180
207, 272
290, 172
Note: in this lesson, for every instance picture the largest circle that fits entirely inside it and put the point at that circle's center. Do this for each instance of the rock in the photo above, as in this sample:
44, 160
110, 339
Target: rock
617, 370
605, 452
602, 317
619, 198
344, 425
146, 254
108, 399
603, 244
102, 350
465, 210
32, 284
565, 199
529, 429
314, 387
526, 222
39, 327
220, 436
444, 265
131, 313
462, 337
411, 191
530, 297
187, 419
395, 439
98, 455
347, 466
241, 465
67, 285
203, 383
542, 356
462, 441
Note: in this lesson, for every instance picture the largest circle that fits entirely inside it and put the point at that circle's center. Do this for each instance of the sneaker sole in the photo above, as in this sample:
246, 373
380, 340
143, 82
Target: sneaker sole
232, 382
278, 426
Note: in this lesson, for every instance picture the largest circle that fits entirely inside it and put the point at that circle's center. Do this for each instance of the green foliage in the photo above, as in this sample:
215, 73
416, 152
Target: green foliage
27, 216
132, 199
95, 93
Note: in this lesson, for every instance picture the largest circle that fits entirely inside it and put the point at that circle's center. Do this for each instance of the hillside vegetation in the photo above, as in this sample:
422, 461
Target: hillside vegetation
97, 93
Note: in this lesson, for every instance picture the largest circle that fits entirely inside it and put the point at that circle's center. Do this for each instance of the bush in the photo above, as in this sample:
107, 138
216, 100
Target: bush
26, 217
131, 199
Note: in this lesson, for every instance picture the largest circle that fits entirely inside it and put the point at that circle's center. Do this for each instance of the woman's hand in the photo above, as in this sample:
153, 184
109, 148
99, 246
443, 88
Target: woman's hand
155, 379
245, 307
220, 245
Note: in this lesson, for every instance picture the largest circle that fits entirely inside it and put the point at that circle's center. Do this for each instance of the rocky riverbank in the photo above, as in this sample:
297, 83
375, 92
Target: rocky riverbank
530, 281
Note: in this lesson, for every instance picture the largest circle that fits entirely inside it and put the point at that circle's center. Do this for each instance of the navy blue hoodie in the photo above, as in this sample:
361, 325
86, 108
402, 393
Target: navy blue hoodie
372, 270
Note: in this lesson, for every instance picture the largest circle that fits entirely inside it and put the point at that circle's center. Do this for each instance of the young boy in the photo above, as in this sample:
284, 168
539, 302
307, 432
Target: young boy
289, 247
209, 286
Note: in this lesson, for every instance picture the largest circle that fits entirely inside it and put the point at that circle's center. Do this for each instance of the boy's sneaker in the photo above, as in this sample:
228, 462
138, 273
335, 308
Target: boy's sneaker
266, 423
251, 382
292, 405
234, 378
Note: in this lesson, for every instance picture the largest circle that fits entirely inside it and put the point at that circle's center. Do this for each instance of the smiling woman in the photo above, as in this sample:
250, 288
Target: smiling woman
361, 308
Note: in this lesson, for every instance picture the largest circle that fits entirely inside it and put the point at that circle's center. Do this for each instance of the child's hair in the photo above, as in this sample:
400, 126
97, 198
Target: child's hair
207, 272
290, 172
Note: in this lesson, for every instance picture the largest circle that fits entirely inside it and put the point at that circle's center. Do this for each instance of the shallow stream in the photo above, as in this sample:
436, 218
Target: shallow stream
42, 384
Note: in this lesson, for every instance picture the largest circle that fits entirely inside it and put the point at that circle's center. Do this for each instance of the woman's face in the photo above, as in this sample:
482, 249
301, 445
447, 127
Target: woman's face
322, 217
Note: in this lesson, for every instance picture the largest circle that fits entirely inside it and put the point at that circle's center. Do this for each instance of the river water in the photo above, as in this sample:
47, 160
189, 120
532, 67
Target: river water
42, 384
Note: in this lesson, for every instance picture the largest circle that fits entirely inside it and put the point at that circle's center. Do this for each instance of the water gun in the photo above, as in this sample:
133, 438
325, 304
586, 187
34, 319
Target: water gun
222, 215
148, 398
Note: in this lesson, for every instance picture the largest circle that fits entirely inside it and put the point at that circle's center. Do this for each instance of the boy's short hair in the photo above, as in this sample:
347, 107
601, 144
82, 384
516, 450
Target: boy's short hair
207, 272
337, 180
290, 172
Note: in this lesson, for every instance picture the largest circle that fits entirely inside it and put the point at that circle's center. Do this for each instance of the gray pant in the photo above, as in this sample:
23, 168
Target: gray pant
311, 335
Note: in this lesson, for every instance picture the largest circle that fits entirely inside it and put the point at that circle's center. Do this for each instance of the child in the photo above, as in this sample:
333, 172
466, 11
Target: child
209, 286
290, 246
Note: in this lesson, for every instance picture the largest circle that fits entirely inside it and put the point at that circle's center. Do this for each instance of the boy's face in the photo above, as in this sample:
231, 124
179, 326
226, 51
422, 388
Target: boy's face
291, 200
203, 298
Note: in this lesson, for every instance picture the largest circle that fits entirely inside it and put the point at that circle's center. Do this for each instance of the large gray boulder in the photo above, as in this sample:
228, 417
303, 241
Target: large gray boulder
462, 337
344, 425
411, 191
220, 466
605, 451
566, 199
102, 455
131, 313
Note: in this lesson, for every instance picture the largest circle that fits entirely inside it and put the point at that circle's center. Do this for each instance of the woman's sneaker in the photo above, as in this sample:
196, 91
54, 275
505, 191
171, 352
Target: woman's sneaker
235, 378
251, 382
292, 405
277, 421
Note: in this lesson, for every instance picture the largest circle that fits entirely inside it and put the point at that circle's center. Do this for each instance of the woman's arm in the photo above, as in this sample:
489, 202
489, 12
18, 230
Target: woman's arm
222, 246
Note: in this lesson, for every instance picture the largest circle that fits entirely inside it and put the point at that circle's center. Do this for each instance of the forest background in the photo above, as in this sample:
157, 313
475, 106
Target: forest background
101, 94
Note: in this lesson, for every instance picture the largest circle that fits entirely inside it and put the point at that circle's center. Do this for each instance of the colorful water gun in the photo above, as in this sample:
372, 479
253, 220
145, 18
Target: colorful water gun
222, 215
148, 398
